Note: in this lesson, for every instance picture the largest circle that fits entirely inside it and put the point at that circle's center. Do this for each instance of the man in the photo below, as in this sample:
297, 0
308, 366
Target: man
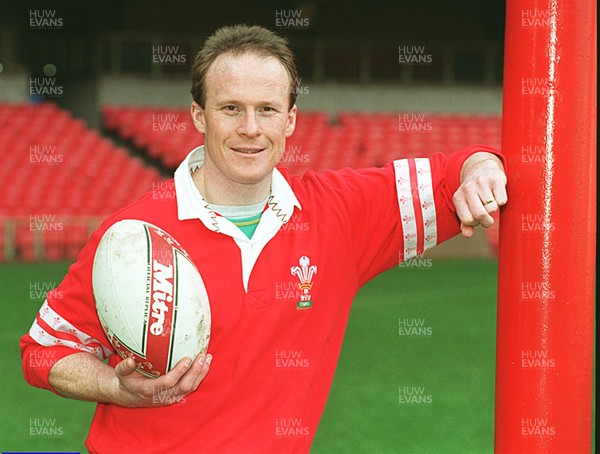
232, 212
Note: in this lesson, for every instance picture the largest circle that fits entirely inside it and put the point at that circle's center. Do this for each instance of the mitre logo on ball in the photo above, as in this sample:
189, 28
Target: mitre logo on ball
150, 297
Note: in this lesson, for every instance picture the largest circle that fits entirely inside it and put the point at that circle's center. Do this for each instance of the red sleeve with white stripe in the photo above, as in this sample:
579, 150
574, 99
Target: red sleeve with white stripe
425, 187
66, 323
400, 211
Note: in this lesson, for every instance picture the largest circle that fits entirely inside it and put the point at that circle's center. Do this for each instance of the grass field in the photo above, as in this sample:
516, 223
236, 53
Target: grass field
416, 374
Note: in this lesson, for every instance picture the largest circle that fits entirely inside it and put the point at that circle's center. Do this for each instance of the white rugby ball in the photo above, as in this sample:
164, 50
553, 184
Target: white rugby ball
150, 297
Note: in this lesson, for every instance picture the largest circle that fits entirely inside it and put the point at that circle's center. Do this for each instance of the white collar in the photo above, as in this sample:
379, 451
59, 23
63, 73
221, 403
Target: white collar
191, 204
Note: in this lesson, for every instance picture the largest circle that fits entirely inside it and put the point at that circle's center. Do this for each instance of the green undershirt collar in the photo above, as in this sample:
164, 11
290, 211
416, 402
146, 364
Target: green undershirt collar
246, 218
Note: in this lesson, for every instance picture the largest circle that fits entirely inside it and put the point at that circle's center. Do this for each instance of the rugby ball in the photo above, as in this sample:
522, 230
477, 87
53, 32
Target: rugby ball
150, 297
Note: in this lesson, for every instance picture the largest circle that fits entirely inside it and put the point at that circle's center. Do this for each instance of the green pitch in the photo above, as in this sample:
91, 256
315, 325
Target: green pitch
416, 374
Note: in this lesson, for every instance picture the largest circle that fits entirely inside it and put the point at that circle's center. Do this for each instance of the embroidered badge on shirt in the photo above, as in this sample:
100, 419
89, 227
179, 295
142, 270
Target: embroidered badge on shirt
305, 273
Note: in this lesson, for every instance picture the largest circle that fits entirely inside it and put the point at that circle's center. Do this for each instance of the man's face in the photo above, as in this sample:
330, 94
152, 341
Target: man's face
246, 117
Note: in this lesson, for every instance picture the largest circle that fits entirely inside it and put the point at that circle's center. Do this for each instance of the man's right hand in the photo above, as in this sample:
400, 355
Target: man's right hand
132, 389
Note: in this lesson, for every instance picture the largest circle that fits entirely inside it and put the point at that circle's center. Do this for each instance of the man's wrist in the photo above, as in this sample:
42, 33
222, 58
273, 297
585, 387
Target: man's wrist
479, 160
108, 386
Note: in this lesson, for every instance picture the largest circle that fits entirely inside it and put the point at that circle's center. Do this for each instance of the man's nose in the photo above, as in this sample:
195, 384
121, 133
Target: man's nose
249, 126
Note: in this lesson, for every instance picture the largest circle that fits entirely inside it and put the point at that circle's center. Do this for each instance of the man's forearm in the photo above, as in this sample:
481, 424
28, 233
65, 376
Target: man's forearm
83, 376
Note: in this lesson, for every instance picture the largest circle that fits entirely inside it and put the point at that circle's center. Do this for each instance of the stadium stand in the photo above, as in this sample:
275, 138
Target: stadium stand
61, 179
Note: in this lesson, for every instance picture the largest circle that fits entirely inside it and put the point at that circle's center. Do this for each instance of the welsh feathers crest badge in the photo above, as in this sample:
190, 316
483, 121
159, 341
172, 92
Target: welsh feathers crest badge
305, 273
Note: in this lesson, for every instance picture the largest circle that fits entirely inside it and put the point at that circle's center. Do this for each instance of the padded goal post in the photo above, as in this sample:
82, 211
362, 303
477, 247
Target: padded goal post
545, 327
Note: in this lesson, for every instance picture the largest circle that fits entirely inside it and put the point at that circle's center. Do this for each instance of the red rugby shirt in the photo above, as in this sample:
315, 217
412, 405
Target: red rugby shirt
279, 301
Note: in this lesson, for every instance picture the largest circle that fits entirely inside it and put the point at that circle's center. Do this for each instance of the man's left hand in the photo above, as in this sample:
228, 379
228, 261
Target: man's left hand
481, 193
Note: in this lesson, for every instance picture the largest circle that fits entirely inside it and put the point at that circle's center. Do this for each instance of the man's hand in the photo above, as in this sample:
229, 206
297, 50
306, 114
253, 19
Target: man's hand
132, 389
83, 376
482, 191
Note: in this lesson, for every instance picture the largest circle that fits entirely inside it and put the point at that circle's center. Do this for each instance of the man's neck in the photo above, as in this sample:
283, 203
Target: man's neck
219, 190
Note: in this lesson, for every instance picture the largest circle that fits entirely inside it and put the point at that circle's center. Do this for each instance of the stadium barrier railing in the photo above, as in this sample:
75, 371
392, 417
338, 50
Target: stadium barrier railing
33, 238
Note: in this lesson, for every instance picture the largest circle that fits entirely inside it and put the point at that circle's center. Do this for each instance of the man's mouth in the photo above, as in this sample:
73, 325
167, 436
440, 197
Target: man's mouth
248, 150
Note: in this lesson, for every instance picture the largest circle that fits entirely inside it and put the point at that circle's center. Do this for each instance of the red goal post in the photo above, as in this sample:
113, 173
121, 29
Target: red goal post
545, 328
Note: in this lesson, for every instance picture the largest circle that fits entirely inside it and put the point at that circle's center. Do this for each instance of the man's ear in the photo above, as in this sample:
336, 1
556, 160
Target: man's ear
198, 117
291, 121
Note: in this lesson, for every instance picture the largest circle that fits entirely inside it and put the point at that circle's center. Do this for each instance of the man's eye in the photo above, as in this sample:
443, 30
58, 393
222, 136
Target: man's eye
230, 108
268, 110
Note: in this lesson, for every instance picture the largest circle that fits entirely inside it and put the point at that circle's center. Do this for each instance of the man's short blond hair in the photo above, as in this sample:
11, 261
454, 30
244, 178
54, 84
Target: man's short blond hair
238, 40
